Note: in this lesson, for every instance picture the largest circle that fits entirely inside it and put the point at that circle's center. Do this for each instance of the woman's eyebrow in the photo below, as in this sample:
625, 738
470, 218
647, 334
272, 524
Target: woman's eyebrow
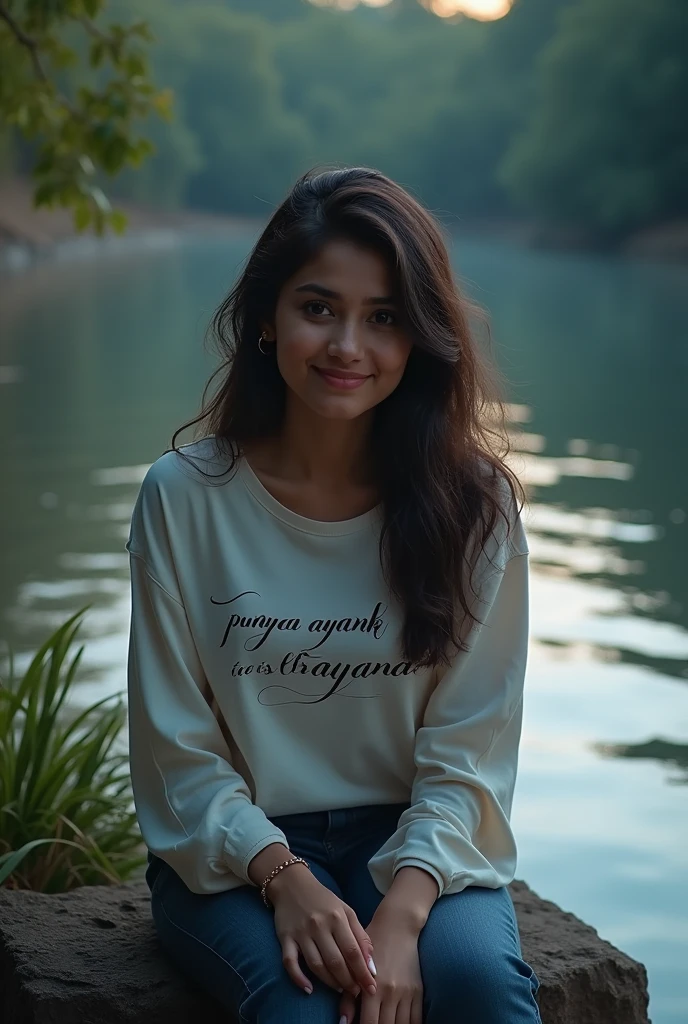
327, 293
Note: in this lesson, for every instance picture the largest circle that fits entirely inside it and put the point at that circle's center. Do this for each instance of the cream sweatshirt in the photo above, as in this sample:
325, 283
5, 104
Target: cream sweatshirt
265, 677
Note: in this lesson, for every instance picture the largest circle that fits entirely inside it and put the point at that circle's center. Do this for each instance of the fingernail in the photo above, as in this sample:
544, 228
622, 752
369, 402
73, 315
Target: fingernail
371, 966
308, 989
344, 1020
372, 989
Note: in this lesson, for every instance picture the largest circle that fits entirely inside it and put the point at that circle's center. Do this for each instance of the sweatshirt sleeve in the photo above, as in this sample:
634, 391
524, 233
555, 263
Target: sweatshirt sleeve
466, 752
194, 810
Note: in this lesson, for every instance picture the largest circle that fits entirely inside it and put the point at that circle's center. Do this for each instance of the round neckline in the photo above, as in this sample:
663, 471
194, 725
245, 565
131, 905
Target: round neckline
324, 528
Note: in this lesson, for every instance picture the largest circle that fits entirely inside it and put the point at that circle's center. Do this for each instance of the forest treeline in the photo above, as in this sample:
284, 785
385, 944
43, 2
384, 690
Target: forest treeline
572, 112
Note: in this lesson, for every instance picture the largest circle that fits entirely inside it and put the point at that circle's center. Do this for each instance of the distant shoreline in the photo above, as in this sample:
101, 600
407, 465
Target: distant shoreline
663, 243
28, 235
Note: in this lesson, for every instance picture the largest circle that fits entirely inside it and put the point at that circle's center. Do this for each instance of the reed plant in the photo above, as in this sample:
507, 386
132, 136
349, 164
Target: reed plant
66, 811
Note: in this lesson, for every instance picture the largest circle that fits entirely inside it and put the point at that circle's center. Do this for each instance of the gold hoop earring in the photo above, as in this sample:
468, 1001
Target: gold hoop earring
261, 340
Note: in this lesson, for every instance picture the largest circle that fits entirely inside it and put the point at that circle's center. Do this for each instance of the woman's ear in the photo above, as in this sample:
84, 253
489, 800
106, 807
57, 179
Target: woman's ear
267, 330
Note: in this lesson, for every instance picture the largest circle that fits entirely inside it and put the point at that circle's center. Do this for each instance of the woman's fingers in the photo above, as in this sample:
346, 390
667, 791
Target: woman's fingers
358, 954
371, 1008
387, 1009
401, 1016
290, 959
322, 969
327, 933
332, 947
347, 1007
364, 940
404, 1014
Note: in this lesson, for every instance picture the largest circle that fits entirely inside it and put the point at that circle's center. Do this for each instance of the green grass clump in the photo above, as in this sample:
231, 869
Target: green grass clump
66, 810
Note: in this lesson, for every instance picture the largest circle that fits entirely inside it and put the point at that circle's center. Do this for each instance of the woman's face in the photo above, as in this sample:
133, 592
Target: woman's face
340, 346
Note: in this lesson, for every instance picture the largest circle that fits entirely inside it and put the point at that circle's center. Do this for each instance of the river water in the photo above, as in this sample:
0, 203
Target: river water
101, 358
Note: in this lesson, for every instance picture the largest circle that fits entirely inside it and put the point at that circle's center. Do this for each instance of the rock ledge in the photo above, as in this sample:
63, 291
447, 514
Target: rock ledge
90, 956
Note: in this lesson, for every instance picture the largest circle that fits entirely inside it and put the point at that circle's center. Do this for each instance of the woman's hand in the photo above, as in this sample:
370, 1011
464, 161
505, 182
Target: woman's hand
309, 918
399, 996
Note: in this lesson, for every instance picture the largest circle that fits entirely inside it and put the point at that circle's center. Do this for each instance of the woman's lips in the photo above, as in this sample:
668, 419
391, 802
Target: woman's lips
339, 380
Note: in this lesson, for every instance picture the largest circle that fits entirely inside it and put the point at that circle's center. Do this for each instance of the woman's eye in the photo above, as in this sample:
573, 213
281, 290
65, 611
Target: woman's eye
384, 313
315, 307
383, 317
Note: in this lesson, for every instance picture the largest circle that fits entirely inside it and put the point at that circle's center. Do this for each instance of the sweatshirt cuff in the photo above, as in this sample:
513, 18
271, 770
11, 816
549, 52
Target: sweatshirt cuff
241, 846
414, 862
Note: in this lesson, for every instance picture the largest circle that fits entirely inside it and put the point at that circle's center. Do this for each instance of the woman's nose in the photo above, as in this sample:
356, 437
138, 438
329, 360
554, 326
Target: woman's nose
345, 342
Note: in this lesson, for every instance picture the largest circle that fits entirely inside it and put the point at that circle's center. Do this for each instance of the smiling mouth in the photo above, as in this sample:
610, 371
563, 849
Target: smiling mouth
341, 380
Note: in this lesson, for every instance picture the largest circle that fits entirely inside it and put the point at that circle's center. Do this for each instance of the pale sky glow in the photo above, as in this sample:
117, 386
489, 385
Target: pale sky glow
483, 10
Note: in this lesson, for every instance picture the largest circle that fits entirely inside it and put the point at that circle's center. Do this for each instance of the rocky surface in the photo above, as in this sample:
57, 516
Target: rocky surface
583, 979
91, 957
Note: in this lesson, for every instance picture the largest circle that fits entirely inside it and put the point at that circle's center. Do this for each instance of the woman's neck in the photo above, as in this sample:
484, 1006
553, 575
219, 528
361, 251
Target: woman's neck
327, 452
318, 468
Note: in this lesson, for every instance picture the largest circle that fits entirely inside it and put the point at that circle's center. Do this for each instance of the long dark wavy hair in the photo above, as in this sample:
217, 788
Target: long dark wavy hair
439, 441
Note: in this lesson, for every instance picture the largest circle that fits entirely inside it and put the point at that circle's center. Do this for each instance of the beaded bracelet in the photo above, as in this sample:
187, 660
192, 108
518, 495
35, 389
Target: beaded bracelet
275, 871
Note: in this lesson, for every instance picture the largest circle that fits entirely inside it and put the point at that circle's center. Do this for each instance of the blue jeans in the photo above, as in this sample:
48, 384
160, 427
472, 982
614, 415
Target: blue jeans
469, 949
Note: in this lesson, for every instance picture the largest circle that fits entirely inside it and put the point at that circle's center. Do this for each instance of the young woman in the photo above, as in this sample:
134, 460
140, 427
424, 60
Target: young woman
328, 639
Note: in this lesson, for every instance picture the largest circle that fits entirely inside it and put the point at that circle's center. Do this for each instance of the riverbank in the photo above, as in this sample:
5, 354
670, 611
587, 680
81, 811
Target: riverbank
28, 234
663, 243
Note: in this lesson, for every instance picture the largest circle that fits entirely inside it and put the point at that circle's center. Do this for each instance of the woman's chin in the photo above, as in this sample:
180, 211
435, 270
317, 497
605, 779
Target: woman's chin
338, 407
327, 404
332, 412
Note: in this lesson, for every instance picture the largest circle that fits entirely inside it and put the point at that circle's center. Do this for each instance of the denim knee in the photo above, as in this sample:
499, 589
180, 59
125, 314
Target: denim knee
277, 1000
498, 988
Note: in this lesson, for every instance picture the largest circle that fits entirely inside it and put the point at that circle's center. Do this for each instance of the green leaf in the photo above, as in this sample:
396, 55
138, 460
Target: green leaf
9, 862
135, 66
92, 7
142, 29
118, 221
58, 778
97, 53
82, 217
162, 103
44, 195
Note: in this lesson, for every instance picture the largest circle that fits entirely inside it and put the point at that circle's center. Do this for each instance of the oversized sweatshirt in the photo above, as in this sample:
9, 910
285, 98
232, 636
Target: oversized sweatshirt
266, 677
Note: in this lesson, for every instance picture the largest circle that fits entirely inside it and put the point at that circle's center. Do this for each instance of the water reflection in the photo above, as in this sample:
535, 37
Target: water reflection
675, 754
106, 361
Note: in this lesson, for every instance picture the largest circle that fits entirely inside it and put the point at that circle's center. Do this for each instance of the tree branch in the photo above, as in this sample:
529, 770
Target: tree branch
93, 30
28, 42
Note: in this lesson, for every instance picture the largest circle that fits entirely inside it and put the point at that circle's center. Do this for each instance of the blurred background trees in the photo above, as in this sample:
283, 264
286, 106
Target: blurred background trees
571, 112
75, 87
606, 141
